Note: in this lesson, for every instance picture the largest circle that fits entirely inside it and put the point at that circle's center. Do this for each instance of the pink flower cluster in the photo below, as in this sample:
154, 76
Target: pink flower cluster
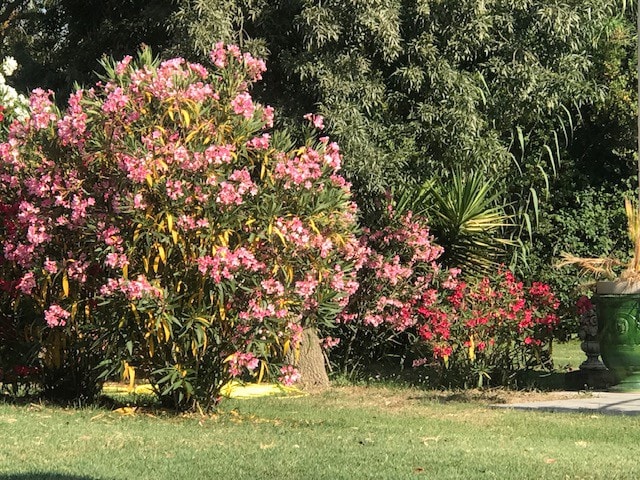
289, 375
56, 316
241, 360
224, 263
132, 289
233, 191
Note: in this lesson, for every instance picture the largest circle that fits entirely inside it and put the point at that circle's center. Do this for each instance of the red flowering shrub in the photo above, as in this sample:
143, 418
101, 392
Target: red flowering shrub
163, 228
487, 331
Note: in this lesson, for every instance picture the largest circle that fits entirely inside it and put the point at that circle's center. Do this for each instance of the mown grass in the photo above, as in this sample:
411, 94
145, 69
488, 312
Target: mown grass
346, 432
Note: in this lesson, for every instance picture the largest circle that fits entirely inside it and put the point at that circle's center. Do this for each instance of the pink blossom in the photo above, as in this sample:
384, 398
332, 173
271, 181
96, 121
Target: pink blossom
255, 66
419, 362
219, 154
122, 65
273, 287
116, 260
50, 266
219, 55
243, 105
116, 101
260, 143
290, 375
138, 202
72, 127
56, 316
27, 283
41, 108
316, 120
305, 288
233, 193
198, 69
174, 189
267, 116
301, 170
77, 270
240, 360
329, 342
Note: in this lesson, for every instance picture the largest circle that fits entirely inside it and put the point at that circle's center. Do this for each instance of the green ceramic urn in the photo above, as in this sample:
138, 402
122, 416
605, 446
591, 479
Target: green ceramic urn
618, 311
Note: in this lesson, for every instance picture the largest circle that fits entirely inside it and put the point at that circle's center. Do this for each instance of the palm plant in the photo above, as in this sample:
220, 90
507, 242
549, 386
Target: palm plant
467, 217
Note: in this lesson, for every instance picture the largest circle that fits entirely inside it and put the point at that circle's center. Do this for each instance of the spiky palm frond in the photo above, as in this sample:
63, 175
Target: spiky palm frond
467, 217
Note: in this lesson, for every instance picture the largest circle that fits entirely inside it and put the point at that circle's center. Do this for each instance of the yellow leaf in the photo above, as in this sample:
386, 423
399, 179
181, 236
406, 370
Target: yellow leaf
74, 310
136, 232
130, 374
175, 236
170, 221
65, 284
191, 136
163, 254
286, 347
162, 164
279, 233
151, 346
149, 180
262, 370
472, 349
289, 273
186, 117
156, 264
167, 330
171, 115
145, 262
313, 227
125, 271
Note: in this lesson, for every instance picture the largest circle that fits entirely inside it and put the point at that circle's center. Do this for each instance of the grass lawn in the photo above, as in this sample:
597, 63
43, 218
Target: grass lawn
346, 432
568, 355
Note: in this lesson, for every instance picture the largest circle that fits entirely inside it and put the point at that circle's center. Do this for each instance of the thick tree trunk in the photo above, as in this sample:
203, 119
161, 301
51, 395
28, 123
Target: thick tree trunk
311, 361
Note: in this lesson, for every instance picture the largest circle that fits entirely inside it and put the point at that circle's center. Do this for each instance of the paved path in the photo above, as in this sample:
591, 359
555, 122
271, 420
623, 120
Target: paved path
592, 402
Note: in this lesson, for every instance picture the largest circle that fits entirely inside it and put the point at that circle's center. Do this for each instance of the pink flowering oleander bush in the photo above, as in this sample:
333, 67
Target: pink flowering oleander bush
399, 263
468, 332
162, 229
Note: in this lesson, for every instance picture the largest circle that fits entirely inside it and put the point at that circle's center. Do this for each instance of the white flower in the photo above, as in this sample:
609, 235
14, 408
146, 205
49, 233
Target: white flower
9, 66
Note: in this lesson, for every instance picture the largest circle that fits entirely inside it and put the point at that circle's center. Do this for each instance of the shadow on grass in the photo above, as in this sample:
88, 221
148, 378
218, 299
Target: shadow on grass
43, 476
